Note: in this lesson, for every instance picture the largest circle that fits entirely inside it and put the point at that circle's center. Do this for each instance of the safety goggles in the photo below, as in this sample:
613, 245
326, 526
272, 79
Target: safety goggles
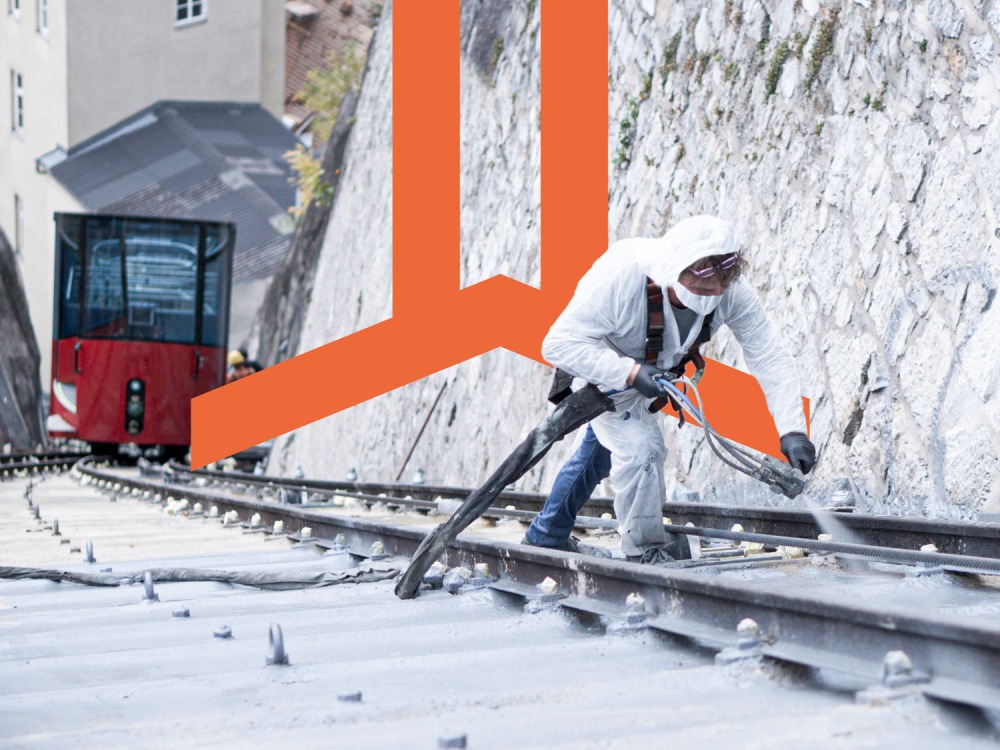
723, 265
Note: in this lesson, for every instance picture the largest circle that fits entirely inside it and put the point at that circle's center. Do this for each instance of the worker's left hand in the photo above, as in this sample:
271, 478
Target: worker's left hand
801, 454
645, 381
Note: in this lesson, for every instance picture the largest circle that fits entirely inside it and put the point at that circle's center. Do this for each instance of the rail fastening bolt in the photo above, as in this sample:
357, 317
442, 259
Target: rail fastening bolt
749, 645
635, 609
276, 651
548, 587
897, 669
635, 602
748, 632
148, 594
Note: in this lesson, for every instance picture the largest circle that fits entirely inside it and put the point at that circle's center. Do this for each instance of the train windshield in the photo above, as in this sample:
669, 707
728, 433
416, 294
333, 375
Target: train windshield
143, 280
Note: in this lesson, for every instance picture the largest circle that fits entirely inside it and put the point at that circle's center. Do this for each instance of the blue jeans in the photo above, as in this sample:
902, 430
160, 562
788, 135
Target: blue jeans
571, 490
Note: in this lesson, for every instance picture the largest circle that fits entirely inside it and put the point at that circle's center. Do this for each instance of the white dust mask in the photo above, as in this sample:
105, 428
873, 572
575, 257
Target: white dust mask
698, 303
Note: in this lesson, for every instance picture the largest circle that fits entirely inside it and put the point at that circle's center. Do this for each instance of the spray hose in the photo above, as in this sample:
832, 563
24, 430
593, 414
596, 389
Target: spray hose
781, 478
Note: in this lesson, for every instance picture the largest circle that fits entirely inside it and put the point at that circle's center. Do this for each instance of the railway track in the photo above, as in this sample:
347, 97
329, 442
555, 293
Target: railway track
838, 608
23, 464
969, 538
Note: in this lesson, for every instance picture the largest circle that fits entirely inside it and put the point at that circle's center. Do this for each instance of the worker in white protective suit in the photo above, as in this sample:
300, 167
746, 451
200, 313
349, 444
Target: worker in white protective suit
601, 338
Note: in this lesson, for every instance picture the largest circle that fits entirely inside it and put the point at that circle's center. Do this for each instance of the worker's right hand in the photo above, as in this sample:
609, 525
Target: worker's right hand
799, 451
645, 381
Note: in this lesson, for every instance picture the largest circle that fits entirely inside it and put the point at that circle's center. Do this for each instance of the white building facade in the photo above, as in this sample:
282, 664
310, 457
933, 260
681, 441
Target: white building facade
68, 70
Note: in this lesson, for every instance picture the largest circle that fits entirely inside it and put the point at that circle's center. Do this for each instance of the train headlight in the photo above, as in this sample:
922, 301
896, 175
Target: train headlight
135, 406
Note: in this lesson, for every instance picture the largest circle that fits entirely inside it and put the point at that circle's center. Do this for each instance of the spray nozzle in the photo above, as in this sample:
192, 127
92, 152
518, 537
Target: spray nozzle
781, 478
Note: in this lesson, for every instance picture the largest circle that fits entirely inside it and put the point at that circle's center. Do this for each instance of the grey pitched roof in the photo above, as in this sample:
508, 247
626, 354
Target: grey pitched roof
218, 161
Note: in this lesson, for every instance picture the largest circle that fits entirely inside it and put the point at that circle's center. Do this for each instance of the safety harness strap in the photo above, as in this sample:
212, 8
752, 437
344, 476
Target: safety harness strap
654, 342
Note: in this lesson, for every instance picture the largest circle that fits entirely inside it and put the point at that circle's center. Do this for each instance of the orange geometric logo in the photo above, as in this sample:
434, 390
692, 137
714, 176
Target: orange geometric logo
436, 324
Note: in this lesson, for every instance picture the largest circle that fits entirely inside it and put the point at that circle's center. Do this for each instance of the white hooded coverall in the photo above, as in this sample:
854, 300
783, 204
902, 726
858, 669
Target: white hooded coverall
601, 335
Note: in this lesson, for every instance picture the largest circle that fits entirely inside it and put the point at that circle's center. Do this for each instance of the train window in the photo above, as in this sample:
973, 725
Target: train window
215, 302
68, 295
142, 280
104, 306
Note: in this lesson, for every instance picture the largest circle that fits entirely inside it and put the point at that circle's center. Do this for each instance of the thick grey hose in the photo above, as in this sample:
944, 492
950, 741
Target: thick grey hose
271, 581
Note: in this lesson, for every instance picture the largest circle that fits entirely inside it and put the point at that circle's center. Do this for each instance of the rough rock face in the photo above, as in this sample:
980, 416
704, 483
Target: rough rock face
20, 390
856, 145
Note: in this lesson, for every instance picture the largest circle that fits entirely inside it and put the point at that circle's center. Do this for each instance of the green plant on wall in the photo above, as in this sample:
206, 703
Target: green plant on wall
701, 66
308, 180
325, 88
322, 92
670, 56
777, 65
626, 135
821, 47
629, 123
647, 86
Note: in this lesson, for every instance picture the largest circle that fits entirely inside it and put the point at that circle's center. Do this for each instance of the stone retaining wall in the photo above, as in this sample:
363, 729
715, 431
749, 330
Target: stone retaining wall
856, 145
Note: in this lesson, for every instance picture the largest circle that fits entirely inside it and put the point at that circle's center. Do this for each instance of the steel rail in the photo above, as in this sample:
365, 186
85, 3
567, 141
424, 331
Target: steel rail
6, 458
35, 466
273, 511
950, 537
953, 659
956, 563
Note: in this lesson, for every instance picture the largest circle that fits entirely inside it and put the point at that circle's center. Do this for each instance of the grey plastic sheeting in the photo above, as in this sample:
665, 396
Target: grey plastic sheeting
97, 667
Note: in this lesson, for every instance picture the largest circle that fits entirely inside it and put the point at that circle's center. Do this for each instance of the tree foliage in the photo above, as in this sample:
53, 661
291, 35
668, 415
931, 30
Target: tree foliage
308, 179
323, 92
326, 86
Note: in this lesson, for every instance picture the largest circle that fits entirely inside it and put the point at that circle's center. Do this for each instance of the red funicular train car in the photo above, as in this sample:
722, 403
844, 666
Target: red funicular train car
140, 328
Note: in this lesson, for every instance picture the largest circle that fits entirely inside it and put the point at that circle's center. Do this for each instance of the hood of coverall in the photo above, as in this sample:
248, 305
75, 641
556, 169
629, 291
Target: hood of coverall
689, 240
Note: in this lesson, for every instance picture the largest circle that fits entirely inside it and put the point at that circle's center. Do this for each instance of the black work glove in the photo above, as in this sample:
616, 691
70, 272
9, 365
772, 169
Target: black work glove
801, 454
645, 381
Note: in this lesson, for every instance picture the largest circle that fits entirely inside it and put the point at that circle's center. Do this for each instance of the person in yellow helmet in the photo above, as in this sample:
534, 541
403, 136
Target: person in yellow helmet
240, 365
